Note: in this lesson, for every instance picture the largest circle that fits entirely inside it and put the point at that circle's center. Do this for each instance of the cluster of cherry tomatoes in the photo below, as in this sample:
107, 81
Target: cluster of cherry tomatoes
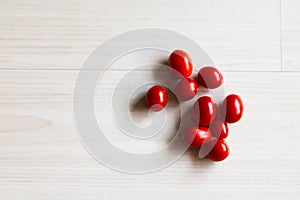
211, 120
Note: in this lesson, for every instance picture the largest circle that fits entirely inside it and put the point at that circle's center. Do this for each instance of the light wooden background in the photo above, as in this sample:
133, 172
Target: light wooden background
256, 43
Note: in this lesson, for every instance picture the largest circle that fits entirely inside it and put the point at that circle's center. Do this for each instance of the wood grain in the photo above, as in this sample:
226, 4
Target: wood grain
238, 35
291, 36
49, 162
42, 46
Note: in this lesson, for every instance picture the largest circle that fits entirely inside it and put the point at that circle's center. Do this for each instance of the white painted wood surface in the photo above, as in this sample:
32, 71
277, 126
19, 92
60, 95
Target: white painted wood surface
290, 34
42, 45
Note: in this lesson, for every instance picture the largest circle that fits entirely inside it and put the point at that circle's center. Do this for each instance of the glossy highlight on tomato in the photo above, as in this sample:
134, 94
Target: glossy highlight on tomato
156, 98
204, 111
210, 77
195, 137
180, 61
219, 129
186, 89
219, 150
233, 108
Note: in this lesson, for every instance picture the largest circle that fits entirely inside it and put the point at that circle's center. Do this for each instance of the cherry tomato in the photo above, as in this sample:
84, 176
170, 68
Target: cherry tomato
210, 77
195, 137
219, 151
233, 108
219, 129
156, 98
186, 89
180, 61
204, 111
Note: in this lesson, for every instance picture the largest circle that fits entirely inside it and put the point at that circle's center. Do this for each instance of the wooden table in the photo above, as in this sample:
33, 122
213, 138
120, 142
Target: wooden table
256, 44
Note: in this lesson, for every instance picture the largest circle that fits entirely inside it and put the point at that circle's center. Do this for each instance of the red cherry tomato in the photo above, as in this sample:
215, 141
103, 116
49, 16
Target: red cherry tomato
204, 111
180, 61
156, 98
219, 151
195, 137
233, 108
219, 129
210, 77
186, 89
